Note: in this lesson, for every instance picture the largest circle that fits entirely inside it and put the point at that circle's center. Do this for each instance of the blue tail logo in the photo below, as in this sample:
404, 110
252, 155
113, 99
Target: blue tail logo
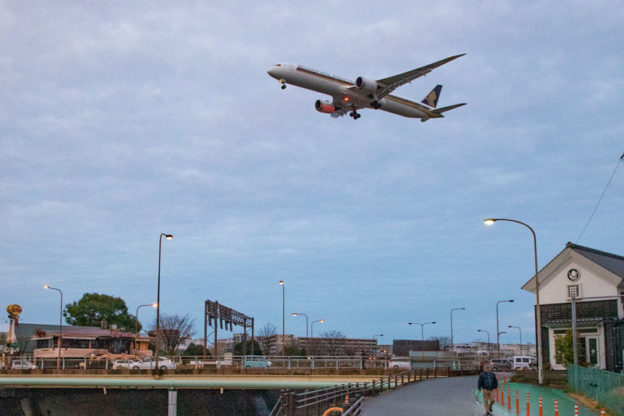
432, 98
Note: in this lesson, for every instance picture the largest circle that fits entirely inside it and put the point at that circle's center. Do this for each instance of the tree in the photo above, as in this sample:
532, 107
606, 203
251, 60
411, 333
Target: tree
174, 330
266, 337
333, 341
238, 348
196, 350
93, 308
564, 350
444, 341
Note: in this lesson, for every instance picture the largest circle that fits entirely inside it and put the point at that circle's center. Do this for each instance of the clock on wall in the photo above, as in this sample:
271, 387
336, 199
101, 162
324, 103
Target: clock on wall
573, 275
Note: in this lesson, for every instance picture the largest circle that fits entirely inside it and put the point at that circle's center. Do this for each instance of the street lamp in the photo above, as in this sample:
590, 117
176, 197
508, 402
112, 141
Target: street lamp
136, 323
422, 334
538, 314
497, 339
281, 282
519, 330
60, 338
306, 316
312, 333
454, 309
168, 237
375, 337
488, 334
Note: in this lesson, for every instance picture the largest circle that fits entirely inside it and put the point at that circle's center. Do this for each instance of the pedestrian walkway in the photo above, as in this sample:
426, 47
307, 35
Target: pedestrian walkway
549, 395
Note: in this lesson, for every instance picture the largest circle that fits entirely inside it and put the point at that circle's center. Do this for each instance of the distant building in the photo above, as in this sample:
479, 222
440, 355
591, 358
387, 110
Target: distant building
402, 347
337, 346
78, 341
596, 279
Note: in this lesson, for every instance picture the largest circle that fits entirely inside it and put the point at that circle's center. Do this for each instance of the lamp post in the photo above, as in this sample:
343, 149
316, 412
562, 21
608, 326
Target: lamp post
520, 331
375, 337
312, 333
497, 329
488, 334
538, 314
306, 316
136, 323
281, 282
60, 337
422, 334
168, 237
498, 337
454, 309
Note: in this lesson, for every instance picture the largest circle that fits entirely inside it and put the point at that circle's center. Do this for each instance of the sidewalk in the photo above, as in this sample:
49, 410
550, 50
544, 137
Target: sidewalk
566, 403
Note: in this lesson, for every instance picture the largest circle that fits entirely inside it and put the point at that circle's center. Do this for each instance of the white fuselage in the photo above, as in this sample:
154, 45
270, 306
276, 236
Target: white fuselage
344, 92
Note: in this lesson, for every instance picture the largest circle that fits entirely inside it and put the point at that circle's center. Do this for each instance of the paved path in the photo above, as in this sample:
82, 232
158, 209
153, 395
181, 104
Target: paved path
456, 396
442, 396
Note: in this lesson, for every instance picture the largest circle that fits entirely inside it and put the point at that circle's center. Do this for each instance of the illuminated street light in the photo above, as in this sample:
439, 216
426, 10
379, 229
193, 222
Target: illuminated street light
306, 316
312, 333
538, 313
60, 339
136, 323
168, 237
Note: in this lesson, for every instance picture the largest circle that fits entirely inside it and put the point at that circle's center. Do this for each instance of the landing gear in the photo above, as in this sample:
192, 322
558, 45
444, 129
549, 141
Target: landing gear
283, 84
355, 115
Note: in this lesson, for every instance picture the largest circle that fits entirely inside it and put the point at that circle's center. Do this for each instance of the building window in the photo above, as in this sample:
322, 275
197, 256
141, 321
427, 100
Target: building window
574, 291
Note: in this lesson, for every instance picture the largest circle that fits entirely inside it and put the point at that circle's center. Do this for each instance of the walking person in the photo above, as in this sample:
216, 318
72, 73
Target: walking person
488, 383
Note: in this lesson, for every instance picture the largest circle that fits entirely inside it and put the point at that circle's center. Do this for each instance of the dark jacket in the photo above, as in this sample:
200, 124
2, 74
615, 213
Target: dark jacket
488, 381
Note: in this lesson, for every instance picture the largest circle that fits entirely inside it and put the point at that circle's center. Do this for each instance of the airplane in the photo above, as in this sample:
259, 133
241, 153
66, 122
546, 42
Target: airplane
351, 96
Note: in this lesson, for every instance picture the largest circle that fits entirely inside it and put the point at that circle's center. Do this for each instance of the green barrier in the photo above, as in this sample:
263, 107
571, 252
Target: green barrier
604, 386
549, 395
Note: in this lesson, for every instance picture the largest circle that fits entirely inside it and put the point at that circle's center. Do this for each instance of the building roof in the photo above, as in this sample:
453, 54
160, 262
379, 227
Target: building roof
610, 262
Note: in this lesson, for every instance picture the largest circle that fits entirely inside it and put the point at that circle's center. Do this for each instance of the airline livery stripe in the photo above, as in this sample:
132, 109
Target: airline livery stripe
327, 77
408, 103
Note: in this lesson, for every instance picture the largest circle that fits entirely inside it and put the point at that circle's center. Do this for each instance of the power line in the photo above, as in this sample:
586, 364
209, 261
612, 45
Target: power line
617, 165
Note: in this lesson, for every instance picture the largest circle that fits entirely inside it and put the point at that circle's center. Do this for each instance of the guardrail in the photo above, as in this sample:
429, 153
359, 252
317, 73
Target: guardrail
196, 363
315, 402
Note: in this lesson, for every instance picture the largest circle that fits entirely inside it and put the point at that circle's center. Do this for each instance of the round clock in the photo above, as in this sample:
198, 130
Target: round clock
573, 275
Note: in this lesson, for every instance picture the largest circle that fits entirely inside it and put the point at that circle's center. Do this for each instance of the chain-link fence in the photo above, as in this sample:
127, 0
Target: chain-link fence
604, 386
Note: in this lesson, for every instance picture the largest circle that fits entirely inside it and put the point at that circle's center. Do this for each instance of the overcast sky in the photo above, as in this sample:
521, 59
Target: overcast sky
122, 120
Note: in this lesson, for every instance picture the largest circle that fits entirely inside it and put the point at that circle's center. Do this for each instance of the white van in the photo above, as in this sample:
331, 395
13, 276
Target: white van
404, 363
522, 362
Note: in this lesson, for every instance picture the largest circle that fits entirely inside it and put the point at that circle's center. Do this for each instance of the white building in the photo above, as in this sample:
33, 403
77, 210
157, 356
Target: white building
596, 279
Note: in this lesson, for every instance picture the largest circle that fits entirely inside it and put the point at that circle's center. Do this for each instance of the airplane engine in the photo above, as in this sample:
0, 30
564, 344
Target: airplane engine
366, 84
324, 107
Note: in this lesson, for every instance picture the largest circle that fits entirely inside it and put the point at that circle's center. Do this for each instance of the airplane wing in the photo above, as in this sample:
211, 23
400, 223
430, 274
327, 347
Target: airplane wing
391, 83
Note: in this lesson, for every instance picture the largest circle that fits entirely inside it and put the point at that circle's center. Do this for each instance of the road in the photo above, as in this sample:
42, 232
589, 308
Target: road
443, 396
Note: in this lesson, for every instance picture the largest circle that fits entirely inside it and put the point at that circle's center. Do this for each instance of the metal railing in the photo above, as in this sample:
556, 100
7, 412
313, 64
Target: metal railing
314, 402
604, 386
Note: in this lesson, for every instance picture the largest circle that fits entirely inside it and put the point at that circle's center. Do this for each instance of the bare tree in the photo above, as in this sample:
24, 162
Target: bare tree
333, 341
445, 342
266, 337
174, 330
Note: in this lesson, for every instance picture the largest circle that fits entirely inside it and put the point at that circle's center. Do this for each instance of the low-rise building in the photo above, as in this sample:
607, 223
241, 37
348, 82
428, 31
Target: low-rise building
595, 279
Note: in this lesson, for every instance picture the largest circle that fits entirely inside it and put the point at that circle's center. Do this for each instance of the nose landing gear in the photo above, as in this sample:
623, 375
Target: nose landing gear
283, 84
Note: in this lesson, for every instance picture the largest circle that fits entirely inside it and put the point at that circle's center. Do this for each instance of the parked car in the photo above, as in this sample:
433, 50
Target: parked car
501, 364
118, 364
256, 361
21, 364
164, 363
523, 362
404, 363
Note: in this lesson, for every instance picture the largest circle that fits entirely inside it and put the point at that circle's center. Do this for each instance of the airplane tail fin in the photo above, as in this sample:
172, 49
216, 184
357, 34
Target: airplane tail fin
432, 98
